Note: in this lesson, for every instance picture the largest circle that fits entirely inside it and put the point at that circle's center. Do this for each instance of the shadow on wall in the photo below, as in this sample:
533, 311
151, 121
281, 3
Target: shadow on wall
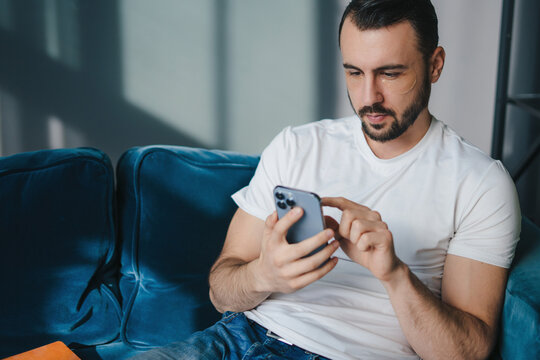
61, 82
113, 74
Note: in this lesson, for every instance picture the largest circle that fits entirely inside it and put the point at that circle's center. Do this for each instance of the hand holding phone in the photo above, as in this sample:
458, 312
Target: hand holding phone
285, 268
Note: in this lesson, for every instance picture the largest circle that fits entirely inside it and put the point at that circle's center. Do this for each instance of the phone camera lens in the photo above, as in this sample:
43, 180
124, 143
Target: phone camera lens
280, 196
290, 202
281, 204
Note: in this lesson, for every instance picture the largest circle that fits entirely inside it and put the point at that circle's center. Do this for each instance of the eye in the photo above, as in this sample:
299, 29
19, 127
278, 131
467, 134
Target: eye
391, 75
354, 73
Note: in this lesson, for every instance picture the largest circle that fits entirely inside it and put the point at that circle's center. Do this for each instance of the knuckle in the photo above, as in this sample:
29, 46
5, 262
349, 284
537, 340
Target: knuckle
325, 255
301, 251
343, 230
280, 227
284, 279
286, 288
374, 216
323, 237
278, 263
324, 269
293, 285
364, 238
316, 260
347, 216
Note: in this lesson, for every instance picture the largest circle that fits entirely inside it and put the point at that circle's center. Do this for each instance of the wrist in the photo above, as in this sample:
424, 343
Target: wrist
257, 277
398, 276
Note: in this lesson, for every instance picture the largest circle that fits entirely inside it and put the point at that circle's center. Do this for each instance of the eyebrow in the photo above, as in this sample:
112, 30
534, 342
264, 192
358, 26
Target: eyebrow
381, 68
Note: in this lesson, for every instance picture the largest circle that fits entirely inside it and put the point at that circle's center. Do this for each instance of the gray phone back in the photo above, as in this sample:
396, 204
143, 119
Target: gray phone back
311, 223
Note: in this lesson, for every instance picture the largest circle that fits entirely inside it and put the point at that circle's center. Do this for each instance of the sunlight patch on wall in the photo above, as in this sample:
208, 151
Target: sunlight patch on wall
61, 135
62, 31
169, 63
55, 132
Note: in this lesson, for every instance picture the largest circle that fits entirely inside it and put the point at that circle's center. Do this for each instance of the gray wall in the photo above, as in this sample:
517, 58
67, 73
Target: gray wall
212, 73
230, 74
464, 97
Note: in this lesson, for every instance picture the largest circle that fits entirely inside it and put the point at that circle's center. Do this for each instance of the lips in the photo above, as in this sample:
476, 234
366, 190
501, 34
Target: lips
376, 118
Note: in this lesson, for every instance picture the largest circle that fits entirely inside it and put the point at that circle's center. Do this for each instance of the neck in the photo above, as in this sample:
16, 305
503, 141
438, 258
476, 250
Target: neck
405, 142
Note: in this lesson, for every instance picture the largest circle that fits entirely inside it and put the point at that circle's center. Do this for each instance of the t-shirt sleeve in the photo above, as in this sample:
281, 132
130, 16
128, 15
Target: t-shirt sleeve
256, 198
488, 228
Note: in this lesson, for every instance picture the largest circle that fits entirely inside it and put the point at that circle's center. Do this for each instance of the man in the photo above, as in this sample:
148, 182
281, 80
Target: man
425, 225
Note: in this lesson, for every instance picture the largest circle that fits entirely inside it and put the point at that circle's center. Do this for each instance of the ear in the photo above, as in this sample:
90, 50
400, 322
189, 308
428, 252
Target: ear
437, 63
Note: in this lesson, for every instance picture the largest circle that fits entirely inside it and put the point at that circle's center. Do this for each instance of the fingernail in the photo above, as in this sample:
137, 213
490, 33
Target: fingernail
329, 232
296, 210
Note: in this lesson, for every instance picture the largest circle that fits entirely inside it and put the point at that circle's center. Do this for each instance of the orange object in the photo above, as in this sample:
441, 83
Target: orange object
55, 351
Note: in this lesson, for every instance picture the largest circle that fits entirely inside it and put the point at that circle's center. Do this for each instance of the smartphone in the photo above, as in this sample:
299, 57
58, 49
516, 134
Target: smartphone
312, 221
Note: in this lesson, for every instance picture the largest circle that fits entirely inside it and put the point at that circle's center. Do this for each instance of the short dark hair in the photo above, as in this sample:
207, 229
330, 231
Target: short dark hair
376, 14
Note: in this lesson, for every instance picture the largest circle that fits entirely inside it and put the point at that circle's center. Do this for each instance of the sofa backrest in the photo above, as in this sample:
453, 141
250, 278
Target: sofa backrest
520, 323
174, 211
60, 260
57, 240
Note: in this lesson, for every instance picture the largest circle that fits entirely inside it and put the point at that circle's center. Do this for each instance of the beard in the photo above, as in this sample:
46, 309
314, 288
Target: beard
398, 126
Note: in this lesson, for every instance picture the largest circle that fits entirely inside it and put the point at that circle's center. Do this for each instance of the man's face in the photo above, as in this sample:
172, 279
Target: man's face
387, 78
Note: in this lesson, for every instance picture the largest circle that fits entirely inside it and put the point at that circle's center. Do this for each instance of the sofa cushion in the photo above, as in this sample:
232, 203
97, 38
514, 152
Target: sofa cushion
57, 239
520, 337
175, 207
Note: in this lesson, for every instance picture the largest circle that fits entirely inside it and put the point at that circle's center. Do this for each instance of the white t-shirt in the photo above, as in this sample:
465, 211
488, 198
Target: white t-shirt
442, 196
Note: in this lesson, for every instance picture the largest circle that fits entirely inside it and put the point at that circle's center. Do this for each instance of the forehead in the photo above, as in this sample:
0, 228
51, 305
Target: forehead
395, 44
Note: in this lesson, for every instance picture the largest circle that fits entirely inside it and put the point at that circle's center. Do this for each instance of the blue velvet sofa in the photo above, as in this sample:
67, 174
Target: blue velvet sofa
116, 262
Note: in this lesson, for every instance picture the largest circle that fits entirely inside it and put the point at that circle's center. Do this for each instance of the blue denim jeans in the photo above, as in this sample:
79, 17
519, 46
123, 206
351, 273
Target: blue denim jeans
233, 337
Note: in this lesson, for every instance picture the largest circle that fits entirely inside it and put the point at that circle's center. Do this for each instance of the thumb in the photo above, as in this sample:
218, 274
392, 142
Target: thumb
270, 222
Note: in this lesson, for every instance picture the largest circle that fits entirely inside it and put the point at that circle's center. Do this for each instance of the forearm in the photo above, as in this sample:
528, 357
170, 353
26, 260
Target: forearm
233, 286
435, 329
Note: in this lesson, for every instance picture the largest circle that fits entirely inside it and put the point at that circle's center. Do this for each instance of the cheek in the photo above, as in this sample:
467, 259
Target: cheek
400, 103
396, 102
353, 87
353, 94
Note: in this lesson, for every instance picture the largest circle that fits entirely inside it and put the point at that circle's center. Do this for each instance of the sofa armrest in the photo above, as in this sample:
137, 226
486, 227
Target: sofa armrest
57, 240
520, 325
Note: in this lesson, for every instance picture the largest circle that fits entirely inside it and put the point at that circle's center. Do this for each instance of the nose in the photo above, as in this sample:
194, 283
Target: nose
371, 92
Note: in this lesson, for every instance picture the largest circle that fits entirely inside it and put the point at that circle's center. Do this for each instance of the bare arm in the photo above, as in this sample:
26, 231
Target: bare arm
256, 261
233, 284
463, 325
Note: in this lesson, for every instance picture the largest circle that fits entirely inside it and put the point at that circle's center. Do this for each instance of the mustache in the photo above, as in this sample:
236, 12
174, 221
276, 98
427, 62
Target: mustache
375, 108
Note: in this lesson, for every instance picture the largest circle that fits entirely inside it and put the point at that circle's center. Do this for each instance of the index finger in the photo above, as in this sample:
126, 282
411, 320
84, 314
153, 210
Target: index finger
340, 202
